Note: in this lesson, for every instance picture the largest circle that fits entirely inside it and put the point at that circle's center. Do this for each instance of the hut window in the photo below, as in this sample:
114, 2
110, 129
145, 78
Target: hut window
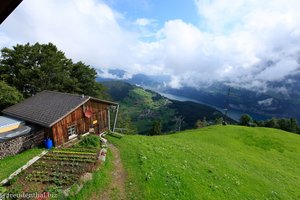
72, 131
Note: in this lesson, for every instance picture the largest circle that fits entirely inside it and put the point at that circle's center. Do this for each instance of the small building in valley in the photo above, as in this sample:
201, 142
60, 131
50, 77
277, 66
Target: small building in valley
59, 116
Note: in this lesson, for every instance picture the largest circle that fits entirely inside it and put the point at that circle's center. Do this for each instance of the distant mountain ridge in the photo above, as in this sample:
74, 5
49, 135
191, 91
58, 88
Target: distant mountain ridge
281, 100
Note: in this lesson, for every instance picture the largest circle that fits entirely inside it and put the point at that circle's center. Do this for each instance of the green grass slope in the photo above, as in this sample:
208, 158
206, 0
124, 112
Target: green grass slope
10, 164
217, 162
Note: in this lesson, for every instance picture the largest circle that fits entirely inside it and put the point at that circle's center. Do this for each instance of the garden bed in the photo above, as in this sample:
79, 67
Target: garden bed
56, 171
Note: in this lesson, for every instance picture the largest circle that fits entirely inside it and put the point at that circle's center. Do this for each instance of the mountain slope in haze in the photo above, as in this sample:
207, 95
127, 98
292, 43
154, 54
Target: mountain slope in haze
145, 106
282, 99
269, 104
216, 162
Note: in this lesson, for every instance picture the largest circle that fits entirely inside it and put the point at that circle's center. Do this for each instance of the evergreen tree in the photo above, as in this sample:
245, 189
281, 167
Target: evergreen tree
259, 123
272, 123
245, 120
298, 130
156, 128
294, 125
288, 124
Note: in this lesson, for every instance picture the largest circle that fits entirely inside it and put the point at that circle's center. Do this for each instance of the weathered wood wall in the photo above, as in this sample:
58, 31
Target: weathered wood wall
99, 120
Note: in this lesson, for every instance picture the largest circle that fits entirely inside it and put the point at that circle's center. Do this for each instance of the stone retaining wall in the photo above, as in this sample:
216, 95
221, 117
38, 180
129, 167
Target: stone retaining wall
19, 144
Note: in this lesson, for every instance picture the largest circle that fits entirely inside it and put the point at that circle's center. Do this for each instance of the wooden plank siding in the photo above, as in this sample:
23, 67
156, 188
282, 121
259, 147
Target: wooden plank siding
59, 131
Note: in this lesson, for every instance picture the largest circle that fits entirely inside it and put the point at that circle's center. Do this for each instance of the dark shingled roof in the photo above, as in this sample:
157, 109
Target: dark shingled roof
48, 107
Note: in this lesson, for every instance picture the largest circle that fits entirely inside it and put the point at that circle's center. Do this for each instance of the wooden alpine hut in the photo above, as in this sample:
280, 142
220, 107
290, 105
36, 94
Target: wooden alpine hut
65, 116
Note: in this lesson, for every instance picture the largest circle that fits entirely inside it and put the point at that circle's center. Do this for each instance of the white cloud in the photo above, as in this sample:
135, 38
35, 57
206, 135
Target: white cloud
266, 102
236, 49
86, 30
144, 21
175, 82
246, 43
239, 39
104, 73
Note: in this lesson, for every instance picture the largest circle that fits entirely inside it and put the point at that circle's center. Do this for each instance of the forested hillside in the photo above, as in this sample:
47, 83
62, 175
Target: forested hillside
140, 109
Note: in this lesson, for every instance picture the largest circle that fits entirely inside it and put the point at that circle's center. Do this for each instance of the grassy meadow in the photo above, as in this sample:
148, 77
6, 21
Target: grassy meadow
92, 189
10, 164
217, 162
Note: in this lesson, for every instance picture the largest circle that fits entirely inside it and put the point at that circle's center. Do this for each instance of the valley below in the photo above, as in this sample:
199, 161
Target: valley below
232, 113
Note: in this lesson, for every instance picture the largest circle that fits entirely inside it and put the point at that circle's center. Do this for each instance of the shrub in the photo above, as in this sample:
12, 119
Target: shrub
90, 141
12, 180
2, 190
201, 124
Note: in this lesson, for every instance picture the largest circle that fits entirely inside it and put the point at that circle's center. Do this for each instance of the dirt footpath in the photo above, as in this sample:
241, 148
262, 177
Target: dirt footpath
116, 189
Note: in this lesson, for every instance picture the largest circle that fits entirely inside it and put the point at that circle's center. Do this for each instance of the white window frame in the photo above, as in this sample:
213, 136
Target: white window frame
72, 132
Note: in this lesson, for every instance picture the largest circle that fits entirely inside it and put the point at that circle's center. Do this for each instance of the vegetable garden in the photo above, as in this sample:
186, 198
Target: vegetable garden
56, 171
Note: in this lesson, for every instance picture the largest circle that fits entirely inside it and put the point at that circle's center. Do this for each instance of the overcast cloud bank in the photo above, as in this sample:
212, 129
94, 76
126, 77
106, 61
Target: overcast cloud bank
248, 43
